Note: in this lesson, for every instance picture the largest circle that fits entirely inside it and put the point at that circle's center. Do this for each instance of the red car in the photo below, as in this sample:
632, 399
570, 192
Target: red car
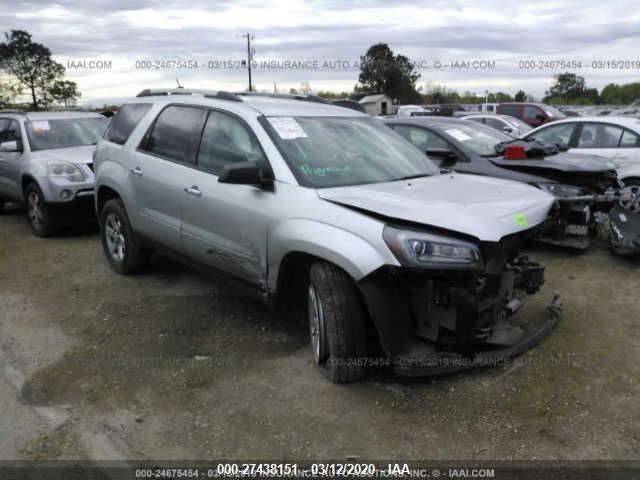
534, 114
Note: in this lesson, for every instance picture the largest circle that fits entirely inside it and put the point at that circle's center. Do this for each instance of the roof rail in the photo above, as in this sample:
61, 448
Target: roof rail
290, 96
221, 95
13, 110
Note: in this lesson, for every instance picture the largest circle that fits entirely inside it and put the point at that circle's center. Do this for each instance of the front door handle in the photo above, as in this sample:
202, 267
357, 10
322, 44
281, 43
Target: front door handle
137, 171
193, 190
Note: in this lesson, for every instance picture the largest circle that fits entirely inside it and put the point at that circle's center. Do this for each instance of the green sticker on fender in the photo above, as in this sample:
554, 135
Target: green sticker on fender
521, 220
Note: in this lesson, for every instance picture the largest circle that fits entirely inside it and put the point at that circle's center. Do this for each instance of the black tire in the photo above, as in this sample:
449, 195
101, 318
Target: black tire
2, 203
131, 258
39, 213
341, 328
628, 182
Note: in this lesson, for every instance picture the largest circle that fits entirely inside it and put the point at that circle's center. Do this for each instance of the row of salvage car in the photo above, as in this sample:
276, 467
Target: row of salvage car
401, 236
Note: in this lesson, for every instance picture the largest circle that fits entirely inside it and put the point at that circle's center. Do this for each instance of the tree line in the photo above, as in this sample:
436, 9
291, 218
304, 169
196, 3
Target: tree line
28, 68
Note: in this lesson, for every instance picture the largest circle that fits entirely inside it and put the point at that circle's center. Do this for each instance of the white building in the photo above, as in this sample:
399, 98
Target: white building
377, 104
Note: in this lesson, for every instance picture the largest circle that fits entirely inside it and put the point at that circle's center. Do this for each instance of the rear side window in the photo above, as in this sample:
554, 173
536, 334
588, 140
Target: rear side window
125, 121
508, 110
176, 134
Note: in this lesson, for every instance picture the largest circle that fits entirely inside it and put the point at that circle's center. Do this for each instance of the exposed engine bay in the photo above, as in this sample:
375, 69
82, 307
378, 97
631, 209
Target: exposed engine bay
438, 321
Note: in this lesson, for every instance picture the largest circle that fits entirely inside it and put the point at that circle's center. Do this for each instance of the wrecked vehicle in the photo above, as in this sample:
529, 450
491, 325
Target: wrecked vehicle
323, 209
585, 187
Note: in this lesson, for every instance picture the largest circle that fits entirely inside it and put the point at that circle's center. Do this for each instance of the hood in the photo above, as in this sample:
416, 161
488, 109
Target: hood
562, 162
484, 207
81, 155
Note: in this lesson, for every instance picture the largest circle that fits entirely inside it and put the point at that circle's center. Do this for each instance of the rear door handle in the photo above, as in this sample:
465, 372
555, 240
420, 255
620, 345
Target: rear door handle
193, 190
137, 171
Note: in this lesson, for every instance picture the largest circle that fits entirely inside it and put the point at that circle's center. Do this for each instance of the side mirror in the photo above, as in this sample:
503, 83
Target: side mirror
443, 153
245, 173
11, 146
507, 129
541, 117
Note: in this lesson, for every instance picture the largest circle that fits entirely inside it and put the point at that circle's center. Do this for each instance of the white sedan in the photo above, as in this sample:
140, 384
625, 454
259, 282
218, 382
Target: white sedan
616, 139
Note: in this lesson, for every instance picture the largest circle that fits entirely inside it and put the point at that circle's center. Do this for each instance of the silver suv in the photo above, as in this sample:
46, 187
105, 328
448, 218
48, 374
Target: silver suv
311, 205
46, 164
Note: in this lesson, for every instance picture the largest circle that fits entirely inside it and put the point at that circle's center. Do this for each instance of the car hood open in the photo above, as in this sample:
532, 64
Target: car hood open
83, 154
483, 207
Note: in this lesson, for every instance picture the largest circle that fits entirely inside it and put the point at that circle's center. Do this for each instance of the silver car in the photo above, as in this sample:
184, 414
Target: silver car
326, 211
505, 123
46, 164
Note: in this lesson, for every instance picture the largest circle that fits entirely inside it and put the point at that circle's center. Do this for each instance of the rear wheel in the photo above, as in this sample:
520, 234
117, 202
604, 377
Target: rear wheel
336, 324
39, 214
118, 241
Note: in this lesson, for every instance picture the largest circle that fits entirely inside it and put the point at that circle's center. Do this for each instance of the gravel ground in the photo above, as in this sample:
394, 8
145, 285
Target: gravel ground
173, 365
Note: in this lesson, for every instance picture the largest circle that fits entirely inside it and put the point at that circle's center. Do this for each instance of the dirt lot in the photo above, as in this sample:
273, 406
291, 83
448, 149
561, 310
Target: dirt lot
170, 365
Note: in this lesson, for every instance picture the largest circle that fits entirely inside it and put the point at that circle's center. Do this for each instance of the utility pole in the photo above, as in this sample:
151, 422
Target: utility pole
249, 57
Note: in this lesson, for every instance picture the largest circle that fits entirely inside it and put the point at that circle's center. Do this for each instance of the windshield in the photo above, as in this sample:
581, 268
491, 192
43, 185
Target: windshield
340, 151
480, 139
553, 112
519, 124
65, 132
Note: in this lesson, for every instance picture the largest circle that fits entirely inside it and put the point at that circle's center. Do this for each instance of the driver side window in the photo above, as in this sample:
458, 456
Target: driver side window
422, 139
560, 134
227, 140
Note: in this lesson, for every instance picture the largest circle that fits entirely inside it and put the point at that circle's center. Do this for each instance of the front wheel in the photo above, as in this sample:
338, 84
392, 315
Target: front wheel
118, 241
336, 324
39, 214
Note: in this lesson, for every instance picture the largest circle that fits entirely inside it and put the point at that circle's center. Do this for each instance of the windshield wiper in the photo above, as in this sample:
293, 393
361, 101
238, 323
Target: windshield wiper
410, 177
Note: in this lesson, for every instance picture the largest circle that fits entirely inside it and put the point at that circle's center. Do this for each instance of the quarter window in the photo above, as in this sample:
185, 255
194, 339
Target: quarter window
125, 121
175, 134
629, 140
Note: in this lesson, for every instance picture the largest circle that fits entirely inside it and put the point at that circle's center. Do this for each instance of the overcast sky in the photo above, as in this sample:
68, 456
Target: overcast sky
122, 32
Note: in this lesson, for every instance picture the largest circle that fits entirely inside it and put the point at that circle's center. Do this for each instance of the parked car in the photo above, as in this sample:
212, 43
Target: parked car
412, 111
582, 183
614, 139
533, 114
46, 164
326, 208
503, 123
449, 110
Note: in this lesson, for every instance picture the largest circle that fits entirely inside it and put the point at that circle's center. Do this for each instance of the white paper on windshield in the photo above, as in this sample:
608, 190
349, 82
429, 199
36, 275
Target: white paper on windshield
40, 125
458, 134
287, 127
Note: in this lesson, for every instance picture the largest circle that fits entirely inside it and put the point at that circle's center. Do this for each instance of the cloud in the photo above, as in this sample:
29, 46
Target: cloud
126, 33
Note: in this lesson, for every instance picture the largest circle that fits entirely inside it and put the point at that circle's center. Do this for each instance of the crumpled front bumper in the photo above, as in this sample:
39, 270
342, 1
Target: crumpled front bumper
450, 362
430, 323
624, 235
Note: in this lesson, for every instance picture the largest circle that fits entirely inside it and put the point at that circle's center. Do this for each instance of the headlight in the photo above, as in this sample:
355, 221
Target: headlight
421, 249
65, 170
560, 190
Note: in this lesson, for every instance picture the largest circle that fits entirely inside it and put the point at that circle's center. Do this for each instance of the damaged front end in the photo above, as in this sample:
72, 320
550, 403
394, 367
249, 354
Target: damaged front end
440, 318
624, 223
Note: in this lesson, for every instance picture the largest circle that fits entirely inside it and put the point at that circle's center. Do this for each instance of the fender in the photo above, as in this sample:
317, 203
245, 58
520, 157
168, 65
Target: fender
628, 171
348, 251
114, 175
